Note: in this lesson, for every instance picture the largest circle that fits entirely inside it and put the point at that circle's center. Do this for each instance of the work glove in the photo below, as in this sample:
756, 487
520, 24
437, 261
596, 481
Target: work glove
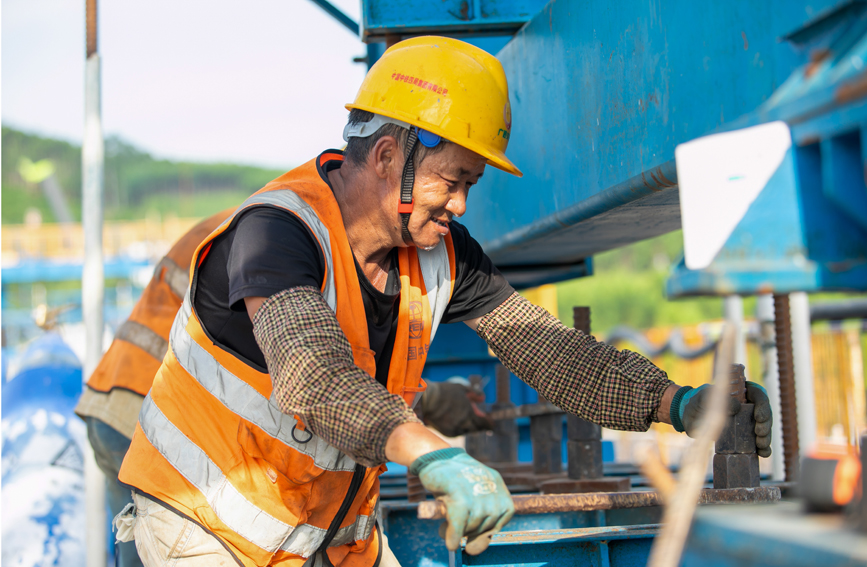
478, 504
689, 405
452, 408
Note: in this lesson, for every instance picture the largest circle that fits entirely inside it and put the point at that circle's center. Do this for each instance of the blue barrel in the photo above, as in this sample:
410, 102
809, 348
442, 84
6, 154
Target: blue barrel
42, 458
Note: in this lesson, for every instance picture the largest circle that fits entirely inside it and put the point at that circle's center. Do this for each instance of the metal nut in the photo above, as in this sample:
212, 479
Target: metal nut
735, 471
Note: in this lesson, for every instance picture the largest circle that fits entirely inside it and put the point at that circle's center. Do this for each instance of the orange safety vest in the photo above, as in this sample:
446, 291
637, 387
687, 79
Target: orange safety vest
213, 445
141, 342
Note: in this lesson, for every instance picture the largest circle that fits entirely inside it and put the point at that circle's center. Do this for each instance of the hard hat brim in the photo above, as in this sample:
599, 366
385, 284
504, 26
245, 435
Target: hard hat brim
495, 158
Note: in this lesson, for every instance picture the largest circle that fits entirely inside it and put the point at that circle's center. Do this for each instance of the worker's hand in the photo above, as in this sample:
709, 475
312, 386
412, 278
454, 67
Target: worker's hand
478, 504
764, 417
693, 404
452, 408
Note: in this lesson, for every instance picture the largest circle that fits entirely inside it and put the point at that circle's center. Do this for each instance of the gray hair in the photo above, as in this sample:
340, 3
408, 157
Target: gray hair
358, 149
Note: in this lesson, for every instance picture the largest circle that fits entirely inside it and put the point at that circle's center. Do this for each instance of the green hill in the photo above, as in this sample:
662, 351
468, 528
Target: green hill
135, 182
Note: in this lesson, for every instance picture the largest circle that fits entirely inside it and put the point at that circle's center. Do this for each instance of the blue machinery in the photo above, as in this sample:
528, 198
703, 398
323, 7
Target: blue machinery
603, 94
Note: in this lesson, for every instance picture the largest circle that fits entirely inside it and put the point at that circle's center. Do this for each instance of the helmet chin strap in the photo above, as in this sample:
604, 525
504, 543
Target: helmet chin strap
407, 181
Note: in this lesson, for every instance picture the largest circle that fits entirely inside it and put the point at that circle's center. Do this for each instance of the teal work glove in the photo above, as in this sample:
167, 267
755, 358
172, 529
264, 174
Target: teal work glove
477, 501
689, 404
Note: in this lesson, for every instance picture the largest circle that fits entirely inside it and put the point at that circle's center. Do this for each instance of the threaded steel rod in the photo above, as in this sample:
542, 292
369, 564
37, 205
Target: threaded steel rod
786, 369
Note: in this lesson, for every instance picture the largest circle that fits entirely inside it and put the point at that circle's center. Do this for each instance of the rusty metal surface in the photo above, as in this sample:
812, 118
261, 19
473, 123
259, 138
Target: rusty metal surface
583, 486
788, 405
415, 492
581, 319
504, 390
90, 17
738, 383
735, 470
547, 503
739, 433
526, 410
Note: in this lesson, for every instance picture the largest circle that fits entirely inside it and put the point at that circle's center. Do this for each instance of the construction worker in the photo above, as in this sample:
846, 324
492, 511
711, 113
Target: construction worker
297, 355
111, 402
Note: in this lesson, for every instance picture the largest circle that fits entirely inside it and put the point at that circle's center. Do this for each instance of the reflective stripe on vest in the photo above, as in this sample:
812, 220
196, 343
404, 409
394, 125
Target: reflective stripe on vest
177, 278
243, 400
144, 338
238, 513
229, 505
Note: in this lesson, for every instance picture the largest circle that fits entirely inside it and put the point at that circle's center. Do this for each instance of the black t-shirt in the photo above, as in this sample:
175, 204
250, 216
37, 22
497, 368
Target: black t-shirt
268, 250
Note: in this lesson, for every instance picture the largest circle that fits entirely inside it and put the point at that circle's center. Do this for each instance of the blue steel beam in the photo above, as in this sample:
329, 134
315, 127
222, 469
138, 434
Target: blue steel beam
601, 94
338, 15
806, 230
454, 18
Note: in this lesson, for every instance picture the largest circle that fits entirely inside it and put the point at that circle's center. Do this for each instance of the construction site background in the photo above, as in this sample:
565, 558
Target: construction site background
838, 350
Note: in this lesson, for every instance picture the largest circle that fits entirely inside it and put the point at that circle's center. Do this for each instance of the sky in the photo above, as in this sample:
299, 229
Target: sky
261, 82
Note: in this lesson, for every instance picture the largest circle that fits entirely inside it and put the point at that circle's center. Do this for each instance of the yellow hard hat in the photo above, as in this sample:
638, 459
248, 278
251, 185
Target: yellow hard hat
447, 87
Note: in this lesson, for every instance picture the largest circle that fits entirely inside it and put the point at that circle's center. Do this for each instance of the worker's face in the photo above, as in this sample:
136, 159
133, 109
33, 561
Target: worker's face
442, 183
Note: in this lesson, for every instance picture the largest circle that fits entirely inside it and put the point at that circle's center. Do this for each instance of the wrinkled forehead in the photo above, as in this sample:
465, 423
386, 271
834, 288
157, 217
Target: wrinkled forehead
456, 162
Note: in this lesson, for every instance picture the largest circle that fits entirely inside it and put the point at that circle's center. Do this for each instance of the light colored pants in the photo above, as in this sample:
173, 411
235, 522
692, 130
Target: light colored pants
164, 538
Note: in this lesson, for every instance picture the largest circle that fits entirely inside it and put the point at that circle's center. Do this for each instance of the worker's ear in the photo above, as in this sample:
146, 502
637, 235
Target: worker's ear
386, 157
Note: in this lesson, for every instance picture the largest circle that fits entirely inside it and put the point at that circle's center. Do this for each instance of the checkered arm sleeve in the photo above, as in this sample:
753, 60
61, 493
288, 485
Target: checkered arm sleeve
315, 376
616, 389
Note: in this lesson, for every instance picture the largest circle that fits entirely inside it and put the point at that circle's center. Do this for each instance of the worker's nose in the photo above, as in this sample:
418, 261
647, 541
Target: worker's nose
457, 205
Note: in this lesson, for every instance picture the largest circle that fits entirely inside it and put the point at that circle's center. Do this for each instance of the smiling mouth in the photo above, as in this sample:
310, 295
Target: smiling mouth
443, 224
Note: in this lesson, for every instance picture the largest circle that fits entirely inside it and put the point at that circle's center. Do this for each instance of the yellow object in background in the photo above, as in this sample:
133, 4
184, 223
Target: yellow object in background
544, 296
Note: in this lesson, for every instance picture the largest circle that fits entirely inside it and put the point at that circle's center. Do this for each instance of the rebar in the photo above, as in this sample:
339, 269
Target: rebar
504, 393
788, 401
549, 503
581, 319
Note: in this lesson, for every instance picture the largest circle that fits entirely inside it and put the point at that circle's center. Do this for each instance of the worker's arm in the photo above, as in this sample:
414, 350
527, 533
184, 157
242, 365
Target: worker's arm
616, 389
315, 377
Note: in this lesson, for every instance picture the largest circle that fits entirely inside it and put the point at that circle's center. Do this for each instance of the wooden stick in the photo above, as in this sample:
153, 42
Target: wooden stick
677, 517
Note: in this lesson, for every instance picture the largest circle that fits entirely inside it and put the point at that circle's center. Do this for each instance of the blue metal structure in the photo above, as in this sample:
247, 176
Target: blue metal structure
781, 535
601, 95
416, 543
392, 18
43, 443
622, 546
807, 228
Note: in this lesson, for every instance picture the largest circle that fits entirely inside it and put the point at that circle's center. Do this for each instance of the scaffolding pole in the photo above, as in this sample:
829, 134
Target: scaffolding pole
92, 279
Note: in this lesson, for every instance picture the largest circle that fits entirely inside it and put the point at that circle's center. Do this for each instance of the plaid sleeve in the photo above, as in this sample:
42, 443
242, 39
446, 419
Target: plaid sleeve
616, 389
315, 377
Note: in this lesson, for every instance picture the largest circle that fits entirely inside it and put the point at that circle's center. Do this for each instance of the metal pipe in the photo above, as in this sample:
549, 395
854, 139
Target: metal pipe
733, 312
770, 377
338, 15
839, 310
548, 503
802, 353
92, 279
786, 370
649, 182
